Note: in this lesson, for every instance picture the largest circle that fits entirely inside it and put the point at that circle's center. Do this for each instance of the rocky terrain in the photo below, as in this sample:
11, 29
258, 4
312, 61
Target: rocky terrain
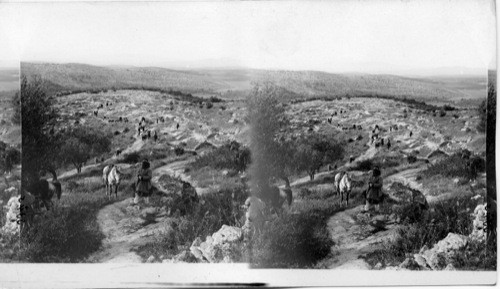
187, 128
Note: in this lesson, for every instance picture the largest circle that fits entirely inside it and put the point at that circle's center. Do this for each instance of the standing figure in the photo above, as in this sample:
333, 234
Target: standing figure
289, 195
177, 126
143, 185
374, 191
155, 136
189, 198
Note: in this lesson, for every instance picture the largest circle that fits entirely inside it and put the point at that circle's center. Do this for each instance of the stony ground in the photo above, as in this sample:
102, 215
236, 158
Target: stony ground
127, 227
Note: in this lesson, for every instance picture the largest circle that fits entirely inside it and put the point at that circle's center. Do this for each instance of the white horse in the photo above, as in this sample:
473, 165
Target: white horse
111, 176
343, 186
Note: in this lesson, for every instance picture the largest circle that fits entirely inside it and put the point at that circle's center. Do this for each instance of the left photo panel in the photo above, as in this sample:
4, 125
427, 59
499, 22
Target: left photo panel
10, 163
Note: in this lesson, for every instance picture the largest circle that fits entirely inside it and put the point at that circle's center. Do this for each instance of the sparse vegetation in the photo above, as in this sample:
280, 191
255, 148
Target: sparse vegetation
430, 227
66, 234
457, 166
289, 137
293, 240
229, 156
214, 210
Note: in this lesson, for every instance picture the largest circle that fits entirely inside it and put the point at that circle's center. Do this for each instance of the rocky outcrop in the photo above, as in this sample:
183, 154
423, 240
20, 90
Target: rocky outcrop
255, 215
11, 225
438, 257
224, 246
479, 224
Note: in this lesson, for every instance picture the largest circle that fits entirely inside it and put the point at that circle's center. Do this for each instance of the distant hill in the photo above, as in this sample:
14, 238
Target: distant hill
82, 76
9, 79
231, 82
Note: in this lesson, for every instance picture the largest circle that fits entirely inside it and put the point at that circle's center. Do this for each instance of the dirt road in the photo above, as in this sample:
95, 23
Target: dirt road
126, 228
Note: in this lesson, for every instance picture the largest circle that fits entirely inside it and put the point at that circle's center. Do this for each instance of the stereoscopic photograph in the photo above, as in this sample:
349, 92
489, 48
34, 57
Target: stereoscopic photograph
355, 135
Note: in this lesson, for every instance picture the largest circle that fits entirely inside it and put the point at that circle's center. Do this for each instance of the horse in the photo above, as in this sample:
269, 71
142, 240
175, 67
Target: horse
113, 180
343, 186
45, 190
105, 173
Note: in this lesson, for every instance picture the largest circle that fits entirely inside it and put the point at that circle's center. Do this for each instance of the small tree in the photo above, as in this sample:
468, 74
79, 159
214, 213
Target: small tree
266, 117
308, 160
37, 119
82, 143
315, 152
75, 152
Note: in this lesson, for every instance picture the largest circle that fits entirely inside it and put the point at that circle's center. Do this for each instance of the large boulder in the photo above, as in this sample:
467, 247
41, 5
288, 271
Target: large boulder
224, 246
439, 257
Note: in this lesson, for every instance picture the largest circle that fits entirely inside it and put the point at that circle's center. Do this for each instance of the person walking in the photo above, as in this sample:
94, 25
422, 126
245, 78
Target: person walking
143, 185
374, 191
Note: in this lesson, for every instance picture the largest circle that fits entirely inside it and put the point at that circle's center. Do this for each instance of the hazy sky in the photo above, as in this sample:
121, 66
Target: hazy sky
313, 35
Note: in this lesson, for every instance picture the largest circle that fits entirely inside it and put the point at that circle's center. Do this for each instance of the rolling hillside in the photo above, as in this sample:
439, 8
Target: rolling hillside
9, 79
82, 76
236, 82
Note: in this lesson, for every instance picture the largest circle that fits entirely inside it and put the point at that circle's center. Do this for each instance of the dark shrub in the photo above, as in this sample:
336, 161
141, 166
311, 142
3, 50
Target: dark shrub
65, 234
457, 165
292, 241
411, 159
365, 165
448, 107
229, 156
179, 150
427, 228
132, 158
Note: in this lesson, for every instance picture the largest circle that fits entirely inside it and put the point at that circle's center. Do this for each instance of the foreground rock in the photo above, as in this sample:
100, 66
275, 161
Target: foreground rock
479, 224
438, 257
224, 246
11, 225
